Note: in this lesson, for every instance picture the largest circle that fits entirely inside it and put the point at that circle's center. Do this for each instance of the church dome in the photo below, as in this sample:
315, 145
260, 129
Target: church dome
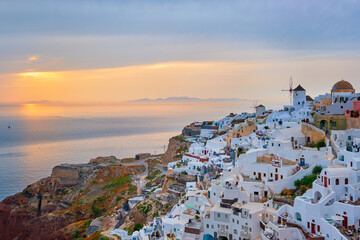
342, 85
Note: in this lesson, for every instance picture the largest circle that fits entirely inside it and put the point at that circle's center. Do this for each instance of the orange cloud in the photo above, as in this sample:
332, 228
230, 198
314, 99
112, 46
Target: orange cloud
250, 80
32, 59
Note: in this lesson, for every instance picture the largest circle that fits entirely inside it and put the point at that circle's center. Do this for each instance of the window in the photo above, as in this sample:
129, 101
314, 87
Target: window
207, 225
235, 231
212, 226
254, 173
346, 181
276, 170
281, 176
264, 174
333, 124
349, 138
227, 227
218, 214
318, 226
351, 164
337, 181
237, 221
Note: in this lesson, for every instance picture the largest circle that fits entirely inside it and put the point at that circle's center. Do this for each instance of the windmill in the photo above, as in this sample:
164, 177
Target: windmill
290, 90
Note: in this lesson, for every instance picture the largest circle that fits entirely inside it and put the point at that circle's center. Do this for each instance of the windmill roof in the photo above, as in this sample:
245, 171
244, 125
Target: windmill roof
299, 88
260, 105
308, 98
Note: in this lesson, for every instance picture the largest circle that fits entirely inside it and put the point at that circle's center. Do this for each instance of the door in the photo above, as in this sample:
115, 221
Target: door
325, 181
256, 196
345, 222
276, 177
313, 228
259, 176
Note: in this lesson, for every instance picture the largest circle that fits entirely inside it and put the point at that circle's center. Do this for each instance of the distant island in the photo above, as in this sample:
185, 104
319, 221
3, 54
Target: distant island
190, 99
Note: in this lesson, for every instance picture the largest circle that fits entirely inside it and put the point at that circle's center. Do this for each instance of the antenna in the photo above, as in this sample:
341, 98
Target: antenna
254, 106
290, 90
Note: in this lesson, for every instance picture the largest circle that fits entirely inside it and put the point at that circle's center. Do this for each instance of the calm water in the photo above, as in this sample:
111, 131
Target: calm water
42, 136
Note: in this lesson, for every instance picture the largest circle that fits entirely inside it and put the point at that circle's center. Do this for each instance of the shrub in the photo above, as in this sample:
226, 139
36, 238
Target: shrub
297, 183
179, 138
132, 188
103, 238
116, 182
317, 170
320, 144
239, 151
138, 227
75, 234
95, 211
156, 214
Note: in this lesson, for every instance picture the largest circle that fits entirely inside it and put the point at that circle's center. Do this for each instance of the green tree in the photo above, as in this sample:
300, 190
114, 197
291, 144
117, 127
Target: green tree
317, 169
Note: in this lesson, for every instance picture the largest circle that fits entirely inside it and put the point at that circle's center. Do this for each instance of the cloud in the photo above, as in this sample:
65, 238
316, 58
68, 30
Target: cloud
32, 59
191, 99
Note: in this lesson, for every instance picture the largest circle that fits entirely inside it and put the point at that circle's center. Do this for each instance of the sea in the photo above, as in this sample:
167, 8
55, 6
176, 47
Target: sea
43, 135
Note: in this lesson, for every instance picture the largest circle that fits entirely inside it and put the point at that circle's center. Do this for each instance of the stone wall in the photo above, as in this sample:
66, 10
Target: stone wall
325, 122
314, 134
352, 123
65, 174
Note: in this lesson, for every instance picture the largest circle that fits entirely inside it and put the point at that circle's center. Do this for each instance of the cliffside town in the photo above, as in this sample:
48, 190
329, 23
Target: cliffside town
287, 174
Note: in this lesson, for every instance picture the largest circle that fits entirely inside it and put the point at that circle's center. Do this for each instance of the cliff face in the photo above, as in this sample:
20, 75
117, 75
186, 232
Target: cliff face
18, 216
72, 195
177, 146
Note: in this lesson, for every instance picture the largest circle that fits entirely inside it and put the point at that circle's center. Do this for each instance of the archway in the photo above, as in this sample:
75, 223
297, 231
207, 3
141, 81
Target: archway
298, 216
317, 196
208, 237
223, 238
323, 124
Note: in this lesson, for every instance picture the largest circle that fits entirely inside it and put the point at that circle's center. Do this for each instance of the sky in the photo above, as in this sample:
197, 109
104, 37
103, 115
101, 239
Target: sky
99, 51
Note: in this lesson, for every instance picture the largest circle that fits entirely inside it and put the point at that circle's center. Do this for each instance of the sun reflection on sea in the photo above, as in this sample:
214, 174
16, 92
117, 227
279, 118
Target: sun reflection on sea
39, 110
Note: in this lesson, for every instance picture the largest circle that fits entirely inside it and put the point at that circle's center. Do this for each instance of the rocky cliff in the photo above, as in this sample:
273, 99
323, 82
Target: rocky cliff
177, 146
63, 205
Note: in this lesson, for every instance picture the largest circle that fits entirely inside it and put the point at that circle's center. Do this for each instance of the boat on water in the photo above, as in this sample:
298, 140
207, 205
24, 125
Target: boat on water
9, 126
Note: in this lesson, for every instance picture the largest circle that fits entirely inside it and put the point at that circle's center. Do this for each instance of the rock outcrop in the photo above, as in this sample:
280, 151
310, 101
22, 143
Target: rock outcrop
105, 160
52, 208
65, 174
177, 146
